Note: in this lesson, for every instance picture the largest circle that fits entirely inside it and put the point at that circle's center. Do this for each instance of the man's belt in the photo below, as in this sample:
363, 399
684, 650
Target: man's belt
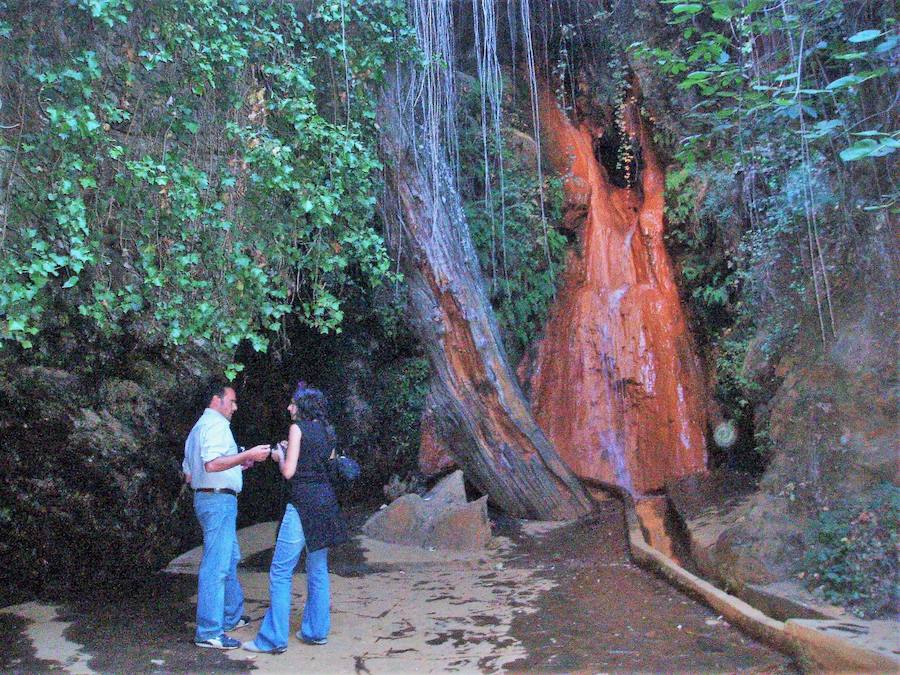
225, 491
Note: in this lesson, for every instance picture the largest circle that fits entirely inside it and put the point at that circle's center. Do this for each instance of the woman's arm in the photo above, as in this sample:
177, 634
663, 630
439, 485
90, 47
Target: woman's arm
289, 465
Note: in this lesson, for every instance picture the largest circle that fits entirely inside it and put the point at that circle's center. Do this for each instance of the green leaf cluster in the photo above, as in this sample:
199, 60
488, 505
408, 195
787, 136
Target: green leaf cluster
781, 157
191, 171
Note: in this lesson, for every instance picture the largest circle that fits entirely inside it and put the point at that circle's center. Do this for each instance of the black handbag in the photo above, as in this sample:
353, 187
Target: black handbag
344, 468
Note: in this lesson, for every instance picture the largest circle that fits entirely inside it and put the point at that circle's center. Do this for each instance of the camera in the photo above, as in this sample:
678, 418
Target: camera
276, 450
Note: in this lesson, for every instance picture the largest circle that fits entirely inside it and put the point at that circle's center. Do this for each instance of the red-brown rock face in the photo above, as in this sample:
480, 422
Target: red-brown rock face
615, 384
434, 457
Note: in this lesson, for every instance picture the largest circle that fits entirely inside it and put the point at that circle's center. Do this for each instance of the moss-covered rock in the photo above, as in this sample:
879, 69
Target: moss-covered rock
832, 426
90, 473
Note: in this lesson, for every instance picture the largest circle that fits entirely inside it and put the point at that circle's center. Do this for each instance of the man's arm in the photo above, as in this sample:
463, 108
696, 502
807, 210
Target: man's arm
255, 454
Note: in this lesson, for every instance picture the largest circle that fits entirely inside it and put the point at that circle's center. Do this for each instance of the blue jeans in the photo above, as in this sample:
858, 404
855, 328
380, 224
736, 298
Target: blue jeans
316, 623
220, 600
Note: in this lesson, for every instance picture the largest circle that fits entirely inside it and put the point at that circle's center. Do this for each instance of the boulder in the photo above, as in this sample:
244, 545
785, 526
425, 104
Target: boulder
440, 519
464, 528
448, 493
402, 522
712, 507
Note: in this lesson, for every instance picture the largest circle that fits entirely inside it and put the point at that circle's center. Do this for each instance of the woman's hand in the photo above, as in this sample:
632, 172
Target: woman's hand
278, 452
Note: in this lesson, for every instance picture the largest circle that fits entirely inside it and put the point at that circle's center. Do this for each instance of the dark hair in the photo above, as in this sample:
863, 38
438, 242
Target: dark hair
213, 387
312, 405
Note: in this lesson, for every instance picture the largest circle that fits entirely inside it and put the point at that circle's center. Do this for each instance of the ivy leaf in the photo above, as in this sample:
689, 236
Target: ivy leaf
852, 79
695, 78
823, 128
864, 36
71, 281
722, 11
845, 81
851, 56
687, 8
868, 147
887, 45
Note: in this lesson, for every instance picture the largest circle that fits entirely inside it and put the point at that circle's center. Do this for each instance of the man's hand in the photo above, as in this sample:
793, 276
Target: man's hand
257, 453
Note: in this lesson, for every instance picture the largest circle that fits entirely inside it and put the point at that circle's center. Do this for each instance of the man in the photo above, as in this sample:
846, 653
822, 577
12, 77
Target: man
213, 465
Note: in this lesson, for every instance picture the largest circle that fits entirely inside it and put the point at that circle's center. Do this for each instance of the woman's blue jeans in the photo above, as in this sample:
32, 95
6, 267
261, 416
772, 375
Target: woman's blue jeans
275, 628
220, 600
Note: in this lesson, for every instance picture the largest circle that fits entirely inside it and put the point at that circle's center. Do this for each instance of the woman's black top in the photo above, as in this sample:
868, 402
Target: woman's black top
311, 492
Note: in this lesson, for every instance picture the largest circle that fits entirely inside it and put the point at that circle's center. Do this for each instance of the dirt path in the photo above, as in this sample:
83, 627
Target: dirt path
546, 598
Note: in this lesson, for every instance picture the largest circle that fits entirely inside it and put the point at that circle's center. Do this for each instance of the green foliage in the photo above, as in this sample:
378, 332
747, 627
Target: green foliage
520, 254
852, 554
190, 173
398, 404
781, 154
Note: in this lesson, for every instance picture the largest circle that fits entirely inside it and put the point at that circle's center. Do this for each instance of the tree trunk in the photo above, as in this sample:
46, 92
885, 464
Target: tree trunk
480, 409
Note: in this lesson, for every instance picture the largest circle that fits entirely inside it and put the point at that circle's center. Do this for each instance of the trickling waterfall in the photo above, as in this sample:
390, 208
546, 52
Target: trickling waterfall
615, 384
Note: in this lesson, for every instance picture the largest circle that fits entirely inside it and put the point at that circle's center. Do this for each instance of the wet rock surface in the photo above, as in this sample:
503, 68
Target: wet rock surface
615, 383
607, 614
830, 414
710, 505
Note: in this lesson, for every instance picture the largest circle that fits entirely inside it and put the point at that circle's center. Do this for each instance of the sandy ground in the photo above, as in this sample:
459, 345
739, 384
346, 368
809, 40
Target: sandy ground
544, 597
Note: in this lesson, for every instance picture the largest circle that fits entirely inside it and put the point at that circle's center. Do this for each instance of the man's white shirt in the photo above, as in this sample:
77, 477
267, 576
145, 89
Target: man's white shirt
211, 437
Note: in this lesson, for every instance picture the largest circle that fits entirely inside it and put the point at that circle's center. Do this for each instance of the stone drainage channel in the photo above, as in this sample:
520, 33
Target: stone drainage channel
545, 597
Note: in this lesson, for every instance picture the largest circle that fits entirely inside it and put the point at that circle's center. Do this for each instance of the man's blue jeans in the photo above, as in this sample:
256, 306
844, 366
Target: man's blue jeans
220, 600
317, 612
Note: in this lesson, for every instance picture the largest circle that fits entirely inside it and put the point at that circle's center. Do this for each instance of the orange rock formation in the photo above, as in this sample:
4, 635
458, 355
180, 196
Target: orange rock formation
615, 383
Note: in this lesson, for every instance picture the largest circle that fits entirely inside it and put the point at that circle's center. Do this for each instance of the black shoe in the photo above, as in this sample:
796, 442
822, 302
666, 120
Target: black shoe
243, 621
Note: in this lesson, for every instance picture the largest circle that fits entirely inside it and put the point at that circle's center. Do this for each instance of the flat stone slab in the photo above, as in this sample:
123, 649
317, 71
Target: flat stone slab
544, 597
426, 617
849, 646
252, 540
785, 600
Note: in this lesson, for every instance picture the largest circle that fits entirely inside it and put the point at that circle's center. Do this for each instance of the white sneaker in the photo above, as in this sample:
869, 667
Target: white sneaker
311, 641
251, 646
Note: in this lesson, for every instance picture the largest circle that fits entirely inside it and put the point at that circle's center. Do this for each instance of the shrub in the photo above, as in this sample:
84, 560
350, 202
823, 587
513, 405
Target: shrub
852, 556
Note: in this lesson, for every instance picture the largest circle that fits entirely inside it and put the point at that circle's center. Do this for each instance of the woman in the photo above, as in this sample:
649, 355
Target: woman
311, 518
